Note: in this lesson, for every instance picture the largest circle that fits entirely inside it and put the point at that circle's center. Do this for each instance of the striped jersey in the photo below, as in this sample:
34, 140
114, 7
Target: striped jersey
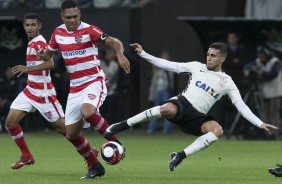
80, 52
39, 85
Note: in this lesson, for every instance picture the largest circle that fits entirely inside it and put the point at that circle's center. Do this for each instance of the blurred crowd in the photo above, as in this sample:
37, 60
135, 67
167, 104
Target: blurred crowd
39, 4
257, 73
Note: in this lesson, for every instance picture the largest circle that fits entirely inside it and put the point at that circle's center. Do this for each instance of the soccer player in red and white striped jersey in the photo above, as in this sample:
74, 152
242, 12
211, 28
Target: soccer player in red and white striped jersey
78, 43
39, 94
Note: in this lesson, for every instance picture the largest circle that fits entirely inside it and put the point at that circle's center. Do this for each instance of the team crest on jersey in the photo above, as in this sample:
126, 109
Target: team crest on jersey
78, 39
222, 81
48, 114
91, 96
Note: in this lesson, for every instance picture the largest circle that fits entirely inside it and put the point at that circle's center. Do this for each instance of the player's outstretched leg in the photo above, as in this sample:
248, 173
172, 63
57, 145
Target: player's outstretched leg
277, 172
176, 159
199, 144
144, 116
116, 128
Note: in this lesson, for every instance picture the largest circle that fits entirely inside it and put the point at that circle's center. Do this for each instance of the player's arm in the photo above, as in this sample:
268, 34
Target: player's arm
159, 62
247, 114
21, 69
118, 47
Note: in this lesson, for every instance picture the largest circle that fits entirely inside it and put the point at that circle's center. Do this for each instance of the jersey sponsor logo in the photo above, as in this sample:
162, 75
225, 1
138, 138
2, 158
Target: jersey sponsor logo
78, 39
74, 53
207, 89
48, 114
30, 63
91, 96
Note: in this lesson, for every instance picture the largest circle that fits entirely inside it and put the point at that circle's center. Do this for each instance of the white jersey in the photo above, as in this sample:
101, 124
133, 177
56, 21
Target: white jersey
205, 87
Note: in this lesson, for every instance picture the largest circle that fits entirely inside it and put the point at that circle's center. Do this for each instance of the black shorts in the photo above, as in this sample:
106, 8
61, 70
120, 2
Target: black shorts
188, 118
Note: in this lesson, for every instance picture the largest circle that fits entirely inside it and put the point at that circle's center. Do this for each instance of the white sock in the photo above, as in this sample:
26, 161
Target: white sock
146, 115
200, 143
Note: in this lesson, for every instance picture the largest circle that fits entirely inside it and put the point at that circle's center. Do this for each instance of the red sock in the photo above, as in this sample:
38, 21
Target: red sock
84, 149
100, 125
17, 135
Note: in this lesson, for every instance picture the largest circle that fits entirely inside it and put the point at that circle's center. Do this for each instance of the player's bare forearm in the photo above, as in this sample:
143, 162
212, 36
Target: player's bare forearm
118, 47
44, 66
20, 69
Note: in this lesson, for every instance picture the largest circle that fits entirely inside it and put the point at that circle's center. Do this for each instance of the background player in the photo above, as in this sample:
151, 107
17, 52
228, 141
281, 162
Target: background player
39, 93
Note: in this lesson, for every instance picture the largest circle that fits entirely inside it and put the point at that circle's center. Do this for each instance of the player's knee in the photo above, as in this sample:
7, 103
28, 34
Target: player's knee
71, 137
86, 113
10, 123
212, 126
168, 110
218, 131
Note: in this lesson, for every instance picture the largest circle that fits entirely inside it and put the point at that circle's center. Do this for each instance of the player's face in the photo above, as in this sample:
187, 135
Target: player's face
214, 60
31, 27
71, 18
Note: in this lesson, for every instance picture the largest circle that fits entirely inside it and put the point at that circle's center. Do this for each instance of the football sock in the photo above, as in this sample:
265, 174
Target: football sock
17, 135
100, 125
84, 149
200, 143
146, 115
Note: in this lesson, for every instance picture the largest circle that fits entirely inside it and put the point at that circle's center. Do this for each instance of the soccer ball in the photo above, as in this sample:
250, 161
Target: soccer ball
111, 152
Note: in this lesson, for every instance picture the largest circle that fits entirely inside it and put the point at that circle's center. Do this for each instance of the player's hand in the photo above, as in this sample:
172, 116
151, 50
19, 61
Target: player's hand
137, 47
41, 54
268, 127
123, 62
19, 70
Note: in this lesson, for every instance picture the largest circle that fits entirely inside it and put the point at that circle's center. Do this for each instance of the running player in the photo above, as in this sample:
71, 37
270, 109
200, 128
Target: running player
39, 94
78, 43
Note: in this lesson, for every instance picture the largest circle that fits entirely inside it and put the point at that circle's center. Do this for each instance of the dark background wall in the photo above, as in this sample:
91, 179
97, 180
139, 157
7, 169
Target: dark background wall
155, 26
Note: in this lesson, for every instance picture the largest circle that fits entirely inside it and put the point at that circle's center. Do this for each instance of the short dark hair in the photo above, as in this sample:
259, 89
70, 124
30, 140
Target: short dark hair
69, 4
32, 15
222, 47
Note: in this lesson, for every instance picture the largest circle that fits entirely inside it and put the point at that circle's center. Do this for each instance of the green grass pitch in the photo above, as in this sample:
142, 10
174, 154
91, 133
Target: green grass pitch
226, 161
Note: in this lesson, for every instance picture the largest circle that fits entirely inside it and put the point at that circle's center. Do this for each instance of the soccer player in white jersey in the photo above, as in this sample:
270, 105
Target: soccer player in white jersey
39, 94
206, 85
78, 43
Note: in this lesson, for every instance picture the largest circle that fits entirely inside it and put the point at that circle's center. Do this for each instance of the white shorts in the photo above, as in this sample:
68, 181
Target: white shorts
93, 94
51, 111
